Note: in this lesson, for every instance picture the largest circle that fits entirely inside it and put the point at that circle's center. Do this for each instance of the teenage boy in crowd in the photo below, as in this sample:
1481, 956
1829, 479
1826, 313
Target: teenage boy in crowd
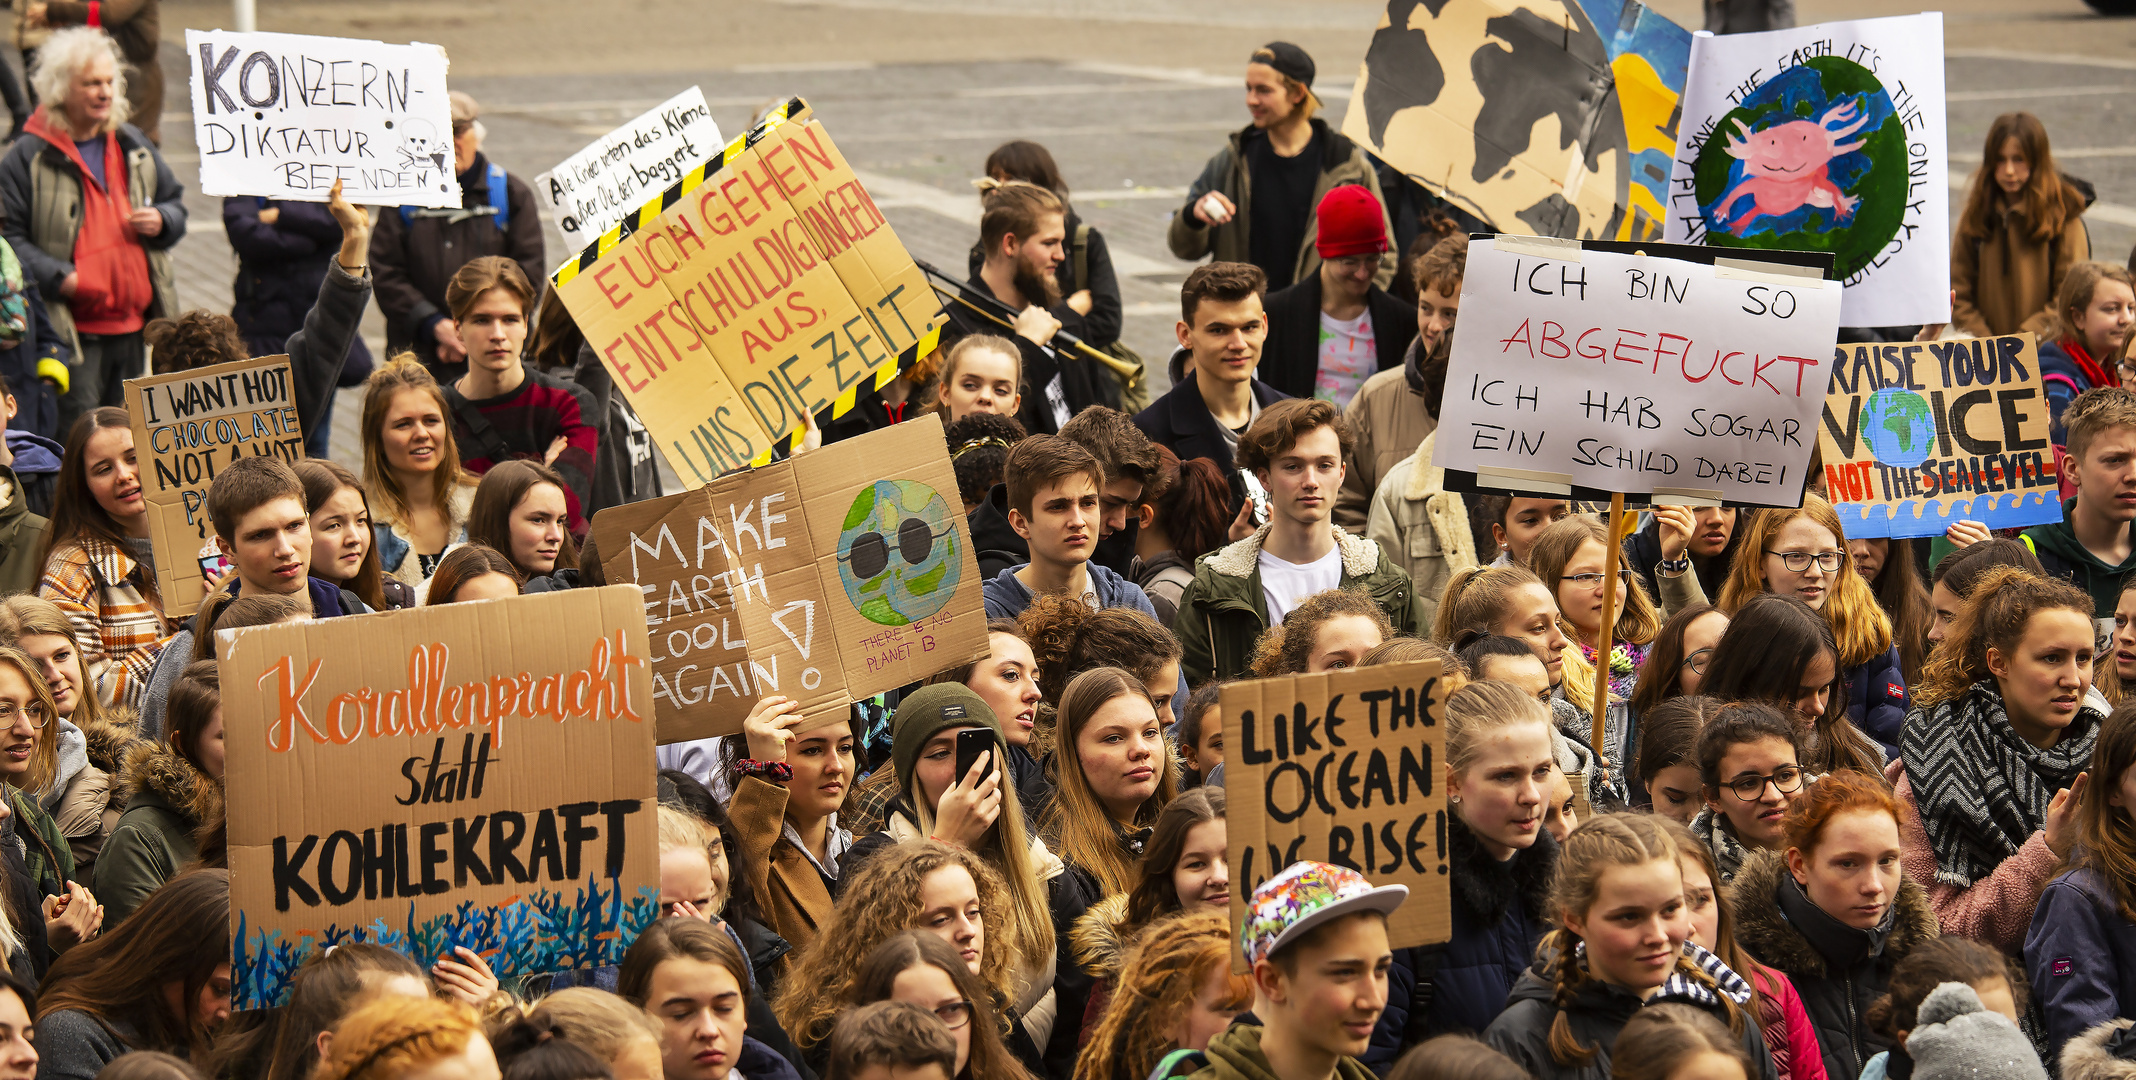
1296, 450
1222, 327
2091, 545
1129, 459
1397, 408
1330, 332
1254, 200
1055, 488
1316, 938
262, 526
1023, 233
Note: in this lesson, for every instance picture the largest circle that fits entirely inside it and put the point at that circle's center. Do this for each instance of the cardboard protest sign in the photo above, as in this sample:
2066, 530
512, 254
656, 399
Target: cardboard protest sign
762, 287
1825, 138
1917, 437
286, 115
1584, 369
186, 428
1552, 117
476, 774
590, 191
826, 578
1344, 767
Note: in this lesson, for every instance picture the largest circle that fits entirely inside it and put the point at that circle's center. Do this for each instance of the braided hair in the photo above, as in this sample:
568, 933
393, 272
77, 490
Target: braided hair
395, 1035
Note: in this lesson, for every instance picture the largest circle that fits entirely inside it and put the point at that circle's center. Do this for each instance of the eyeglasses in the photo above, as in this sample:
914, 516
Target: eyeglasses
1697, 661
1594, 581
1353, 263
1787, 779
870, 551
1799, 561
33, 711
954, 1014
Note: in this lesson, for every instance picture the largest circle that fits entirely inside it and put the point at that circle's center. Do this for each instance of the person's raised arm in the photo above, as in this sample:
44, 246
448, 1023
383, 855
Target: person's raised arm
318, 352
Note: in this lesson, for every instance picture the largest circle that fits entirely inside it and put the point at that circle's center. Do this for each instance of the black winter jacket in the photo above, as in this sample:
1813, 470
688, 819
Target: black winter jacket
1837, 970
414, 260
279, 271
1597, 1013
1084, 382
1290, 361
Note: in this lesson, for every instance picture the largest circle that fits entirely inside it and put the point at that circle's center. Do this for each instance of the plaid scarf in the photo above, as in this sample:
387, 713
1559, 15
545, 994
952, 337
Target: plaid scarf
1982, 789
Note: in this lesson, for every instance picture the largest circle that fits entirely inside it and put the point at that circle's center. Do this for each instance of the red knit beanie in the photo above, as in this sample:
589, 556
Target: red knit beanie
1351, 223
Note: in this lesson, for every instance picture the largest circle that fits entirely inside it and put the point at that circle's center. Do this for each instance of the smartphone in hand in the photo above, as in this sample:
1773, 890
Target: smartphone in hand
1257, 495
972, 744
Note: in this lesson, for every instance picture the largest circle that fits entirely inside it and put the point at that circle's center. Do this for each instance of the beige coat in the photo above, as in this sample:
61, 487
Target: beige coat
1387, 421
1422, 526
2007, 282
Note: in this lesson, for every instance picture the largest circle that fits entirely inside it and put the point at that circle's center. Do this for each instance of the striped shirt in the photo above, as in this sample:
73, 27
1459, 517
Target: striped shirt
119, 628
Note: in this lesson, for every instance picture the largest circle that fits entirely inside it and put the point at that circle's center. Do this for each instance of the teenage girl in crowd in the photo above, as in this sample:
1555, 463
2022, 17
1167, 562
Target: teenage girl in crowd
919, 968
1750, 772
1499, 768
984, 373
343, 550
689, 977
2021, 230
470, 572
83, 795
418, 492
1510, 602
787, 788
1932, 963
1617, 947
39, 874
1803, 553
1200, 736
98, 566
1114, 773
1573, 558
1069, 637
1667, 766
519, 510
1776, 650
1176, 992
2114, 672
1041, 901
1326, 632
1007, 680
1958, 572
1888, 567
285, 1043
1190, 517
173, 794
397, 1038
609, 1028
1676, 665
1835, 912
1788, 1033
1681, 1043
2093, 311
1989, 773
159, 982
1514, 524
2081, 948
1186, 868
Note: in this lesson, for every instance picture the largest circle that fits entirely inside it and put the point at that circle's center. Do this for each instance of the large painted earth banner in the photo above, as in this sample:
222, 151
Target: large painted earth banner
1825, 138
1545, 117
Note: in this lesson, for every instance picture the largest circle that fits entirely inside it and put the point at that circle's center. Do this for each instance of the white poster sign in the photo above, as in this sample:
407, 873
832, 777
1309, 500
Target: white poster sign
286, 115
588, 192
1574, 367
1824, 138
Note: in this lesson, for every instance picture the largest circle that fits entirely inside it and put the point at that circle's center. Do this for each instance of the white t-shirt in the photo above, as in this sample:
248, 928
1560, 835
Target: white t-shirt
1284, 584
1348, 356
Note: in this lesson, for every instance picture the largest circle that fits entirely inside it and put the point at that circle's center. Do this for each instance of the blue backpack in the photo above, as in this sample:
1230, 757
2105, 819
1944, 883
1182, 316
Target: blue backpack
500, 202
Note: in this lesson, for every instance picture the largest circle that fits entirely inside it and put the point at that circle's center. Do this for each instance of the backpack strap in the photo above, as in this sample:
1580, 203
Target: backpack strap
500, 196
479, 428
1080, 255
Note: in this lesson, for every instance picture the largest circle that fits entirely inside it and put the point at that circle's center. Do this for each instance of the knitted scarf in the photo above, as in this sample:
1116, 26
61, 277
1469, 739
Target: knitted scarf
1981, 788
1625, 660
1728, 852
2091, 368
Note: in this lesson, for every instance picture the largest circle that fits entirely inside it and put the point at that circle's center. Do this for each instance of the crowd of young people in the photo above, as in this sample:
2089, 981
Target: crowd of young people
1824, 807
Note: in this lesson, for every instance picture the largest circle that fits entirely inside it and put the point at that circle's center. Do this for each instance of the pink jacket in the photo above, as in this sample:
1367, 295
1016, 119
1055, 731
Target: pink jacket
1789, 1036
1997, 909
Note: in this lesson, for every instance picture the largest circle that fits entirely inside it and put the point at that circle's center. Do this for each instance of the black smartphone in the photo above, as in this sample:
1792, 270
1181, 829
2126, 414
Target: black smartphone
972, 744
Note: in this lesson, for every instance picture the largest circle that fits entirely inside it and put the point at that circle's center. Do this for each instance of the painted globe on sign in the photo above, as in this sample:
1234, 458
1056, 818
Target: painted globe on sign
897, 553
1898, 427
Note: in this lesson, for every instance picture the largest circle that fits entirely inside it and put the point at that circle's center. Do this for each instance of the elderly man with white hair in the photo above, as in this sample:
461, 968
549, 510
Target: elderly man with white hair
92, 213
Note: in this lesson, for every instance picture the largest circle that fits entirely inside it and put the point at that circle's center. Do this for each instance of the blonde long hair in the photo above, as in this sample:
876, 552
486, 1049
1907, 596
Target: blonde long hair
24, 615
1028, 930
1860, 629
1077, 823
382, 487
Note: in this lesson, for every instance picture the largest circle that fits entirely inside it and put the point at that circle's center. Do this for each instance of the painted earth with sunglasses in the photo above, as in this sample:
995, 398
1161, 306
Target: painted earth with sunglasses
898, 556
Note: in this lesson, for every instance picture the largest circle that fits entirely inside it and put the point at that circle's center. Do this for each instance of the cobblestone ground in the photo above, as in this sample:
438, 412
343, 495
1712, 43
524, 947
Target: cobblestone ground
1132, 96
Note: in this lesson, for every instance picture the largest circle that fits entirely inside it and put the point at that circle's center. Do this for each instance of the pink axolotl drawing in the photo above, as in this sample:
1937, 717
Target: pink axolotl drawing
1787, 166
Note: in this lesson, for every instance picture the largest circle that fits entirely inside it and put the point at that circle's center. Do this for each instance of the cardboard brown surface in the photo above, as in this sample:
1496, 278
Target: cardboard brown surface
749, 589
1344, 767
764, 289
1918, 437
186, 428
475, 774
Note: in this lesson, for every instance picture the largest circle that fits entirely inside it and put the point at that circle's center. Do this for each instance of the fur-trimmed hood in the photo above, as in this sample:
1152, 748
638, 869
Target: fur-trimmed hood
1360, 557
2093, 1055
1766, 933
110, 738
1100, 937
153, 773
1486, 887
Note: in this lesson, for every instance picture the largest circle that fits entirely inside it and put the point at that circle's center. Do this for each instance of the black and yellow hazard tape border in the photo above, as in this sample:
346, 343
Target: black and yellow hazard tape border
790, 109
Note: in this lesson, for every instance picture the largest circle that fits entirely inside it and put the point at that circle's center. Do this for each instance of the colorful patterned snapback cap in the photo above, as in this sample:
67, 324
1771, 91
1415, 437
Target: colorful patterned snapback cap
1302, 897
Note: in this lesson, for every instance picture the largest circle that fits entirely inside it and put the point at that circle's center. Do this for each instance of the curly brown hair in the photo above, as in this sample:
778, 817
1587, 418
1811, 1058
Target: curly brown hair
1287, 647
2003, 603
1068, 638
1162, 975
196, 339
1282, 424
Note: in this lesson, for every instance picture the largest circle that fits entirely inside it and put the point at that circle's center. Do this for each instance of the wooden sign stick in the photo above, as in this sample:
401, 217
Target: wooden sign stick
1611, 578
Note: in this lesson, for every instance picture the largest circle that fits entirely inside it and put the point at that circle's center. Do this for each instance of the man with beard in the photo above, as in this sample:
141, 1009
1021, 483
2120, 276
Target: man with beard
1023, 233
